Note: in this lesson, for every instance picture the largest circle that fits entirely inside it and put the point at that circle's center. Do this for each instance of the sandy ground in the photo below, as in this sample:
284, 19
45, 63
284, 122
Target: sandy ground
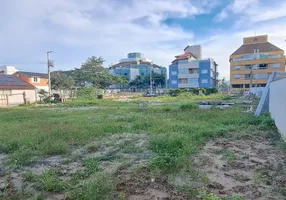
250, 167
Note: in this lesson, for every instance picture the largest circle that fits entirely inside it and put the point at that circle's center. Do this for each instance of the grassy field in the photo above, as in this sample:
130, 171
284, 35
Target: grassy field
176, 129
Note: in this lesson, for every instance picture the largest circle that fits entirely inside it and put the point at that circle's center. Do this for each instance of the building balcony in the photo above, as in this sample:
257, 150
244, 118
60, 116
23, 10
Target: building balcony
194, 75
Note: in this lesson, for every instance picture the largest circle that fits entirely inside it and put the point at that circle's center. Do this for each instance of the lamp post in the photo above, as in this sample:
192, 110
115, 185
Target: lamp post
49, 71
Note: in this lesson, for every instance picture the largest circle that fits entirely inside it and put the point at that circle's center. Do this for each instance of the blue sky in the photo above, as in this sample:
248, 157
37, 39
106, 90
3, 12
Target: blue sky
161, 29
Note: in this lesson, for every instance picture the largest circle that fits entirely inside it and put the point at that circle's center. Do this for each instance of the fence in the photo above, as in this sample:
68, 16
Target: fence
277, 104
138, 90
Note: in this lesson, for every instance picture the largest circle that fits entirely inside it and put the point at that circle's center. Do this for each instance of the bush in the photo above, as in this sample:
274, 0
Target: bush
89, 93
189, 106
100, 96
228, 97
209, 91
174, 92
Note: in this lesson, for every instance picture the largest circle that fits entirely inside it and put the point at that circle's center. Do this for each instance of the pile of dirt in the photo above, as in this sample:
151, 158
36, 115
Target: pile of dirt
144, 186
250, 167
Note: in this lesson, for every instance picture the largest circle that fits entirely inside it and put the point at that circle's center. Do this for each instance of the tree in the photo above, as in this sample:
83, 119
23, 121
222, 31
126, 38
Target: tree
158, 80
223, 83
61, 81
94, 73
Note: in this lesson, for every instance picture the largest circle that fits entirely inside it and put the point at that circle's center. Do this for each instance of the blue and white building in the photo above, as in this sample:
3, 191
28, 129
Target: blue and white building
189, 70
135, 65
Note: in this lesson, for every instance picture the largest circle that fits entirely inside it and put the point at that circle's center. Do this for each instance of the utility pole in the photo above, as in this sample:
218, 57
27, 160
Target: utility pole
49, 63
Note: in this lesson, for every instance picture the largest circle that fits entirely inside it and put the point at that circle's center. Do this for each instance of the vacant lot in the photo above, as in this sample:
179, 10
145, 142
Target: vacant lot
117, 150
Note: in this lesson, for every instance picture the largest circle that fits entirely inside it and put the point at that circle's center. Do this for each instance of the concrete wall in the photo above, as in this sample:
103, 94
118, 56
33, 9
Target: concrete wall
277, 104
8, 70
15, 97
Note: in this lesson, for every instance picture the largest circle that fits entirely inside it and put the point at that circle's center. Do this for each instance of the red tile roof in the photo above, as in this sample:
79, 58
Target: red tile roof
183, 57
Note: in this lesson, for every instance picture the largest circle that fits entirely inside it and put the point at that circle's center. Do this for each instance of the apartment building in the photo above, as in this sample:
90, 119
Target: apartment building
253, 62
135, 65
189, 70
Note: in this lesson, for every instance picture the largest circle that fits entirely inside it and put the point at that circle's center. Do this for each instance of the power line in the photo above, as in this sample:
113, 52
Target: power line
22, 63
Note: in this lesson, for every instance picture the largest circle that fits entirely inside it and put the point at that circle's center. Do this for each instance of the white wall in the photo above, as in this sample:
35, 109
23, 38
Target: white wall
17, 97
277, 104
191, 64
8, 70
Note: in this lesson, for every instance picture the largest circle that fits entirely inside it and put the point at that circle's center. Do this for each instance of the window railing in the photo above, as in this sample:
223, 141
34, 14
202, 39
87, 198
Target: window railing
256, 57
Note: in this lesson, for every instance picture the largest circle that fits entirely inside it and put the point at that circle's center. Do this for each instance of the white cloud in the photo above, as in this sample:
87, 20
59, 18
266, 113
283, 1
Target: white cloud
77, 29
252, 11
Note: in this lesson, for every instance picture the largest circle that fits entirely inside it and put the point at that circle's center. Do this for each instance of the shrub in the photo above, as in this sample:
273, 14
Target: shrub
188, 106
89, 93
211, 197
174, 92
100, 96
211, 91
228, 97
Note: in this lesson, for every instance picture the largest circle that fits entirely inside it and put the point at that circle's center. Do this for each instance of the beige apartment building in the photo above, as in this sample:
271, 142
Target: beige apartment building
253, 62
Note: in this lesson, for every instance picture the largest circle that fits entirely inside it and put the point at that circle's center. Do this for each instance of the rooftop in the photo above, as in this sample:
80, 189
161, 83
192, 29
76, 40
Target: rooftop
11, 82
249, 48
183, 57
34, 74
124, 64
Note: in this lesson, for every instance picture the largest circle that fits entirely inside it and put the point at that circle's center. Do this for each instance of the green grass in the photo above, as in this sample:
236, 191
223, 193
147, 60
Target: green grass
101, 187
177, 129
175, 132
51, 182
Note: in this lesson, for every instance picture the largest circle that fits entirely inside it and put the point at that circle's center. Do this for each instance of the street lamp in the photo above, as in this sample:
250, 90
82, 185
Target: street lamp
50, 64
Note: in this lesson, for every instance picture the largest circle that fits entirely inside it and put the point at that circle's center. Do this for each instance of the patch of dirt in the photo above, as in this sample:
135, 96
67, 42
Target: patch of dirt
251, 168
144, 186
118, 154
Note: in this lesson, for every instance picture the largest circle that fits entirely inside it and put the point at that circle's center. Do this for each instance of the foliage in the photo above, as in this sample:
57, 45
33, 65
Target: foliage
93, 73
88, 93
189, 106
42, 92
141, 81
174, 92
51, 182
60, 81
222, 83
211, 197
211, 91
100, 188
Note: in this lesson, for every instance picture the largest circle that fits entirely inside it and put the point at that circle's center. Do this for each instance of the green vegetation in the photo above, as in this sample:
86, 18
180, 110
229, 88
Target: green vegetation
51, 182
101, 187
176, 129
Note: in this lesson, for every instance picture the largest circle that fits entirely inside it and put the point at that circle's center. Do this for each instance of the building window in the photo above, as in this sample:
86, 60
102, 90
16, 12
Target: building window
204, 71
174, 82
193, 81
262, 66
237, 76
261, 76
183, 81
204, 81
183, 71
35, 80
236, 67
248, 76
193, 71
274, 56
174, 73
276, 65
237, 86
